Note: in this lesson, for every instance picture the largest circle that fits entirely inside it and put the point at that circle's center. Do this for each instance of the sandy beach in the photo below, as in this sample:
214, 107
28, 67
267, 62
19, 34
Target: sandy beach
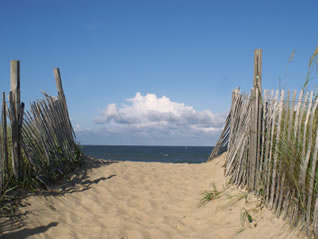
136, 200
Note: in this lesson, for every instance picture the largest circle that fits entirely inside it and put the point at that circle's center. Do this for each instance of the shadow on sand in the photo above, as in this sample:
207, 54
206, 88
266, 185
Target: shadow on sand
26, 232
77, 181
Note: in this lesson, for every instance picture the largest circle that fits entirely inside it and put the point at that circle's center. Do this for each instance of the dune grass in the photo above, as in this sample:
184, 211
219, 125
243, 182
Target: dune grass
13, 190
210, 195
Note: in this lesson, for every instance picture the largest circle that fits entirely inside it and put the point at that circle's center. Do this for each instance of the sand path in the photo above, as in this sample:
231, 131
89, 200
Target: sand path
135, 200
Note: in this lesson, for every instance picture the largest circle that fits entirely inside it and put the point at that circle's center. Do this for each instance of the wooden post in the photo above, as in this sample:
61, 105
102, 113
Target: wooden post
58, 80
253, 143
4, 146
257, 82
59, 87
257, 85
61, 95
254, 154
15, 119
15, 85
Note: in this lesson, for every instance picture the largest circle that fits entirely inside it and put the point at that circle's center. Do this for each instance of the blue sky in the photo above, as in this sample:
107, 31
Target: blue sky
153, 72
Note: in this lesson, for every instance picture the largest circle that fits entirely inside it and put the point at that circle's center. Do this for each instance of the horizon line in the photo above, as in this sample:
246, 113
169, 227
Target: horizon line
135, 145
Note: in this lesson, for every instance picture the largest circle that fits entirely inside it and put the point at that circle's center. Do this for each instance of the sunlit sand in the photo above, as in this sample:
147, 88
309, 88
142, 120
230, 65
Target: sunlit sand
134, 200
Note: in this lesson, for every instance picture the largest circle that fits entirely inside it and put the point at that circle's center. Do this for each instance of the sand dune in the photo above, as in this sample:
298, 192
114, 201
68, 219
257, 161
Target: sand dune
135, 200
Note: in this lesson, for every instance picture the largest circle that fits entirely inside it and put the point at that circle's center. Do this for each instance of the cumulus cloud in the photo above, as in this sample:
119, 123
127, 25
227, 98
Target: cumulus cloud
152, 115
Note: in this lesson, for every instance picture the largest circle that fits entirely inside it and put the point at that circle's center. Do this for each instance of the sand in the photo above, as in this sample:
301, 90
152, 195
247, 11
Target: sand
135, 200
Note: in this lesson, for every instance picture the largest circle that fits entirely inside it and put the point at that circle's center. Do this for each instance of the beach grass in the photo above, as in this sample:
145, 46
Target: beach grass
14, 190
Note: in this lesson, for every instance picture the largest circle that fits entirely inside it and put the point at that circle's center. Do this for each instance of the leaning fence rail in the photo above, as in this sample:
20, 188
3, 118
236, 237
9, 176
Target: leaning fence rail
38, 143
282, 168
48, 141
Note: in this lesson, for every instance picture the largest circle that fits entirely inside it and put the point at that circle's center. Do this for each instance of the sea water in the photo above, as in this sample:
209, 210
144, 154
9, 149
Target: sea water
168, 154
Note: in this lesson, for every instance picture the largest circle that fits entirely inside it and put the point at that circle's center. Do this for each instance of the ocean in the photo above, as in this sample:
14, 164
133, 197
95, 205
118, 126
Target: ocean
166, 154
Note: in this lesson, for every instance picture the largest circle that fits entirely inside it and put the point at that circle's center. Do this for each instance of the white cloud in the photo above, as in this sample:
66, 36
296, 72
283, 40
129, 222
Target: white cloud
78, 128
151, 115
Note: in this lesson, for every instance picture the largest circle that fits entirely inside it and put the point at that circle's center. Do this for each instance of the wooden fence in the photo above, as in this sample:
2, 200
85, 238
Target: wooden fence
272, 141
38, 143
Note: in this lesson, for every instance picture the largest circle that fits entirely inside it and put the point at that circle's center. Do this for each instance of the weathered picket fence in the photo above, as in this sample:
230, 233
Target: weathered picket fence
272, 140
38, 143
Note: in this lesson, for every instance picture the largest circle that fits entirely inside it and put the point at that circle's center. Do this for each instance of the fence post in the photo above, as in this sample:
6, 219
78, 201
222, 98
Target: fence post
58, 80
61, 95
4, 146
255, 125
59, 88
15, 118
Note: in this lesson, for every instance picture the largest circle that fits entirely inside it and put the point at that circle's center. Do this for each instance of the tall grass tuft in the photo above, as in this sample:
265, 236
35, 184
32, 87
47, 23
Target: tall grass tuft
290, 154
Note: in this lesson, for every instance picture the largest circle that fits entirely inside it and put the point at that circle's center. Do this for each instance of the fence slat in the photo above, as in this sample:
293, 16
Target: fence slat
280, 111
298, 112
270, 167
288, 198
4, 146
281, 183
263, 133
268, 139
